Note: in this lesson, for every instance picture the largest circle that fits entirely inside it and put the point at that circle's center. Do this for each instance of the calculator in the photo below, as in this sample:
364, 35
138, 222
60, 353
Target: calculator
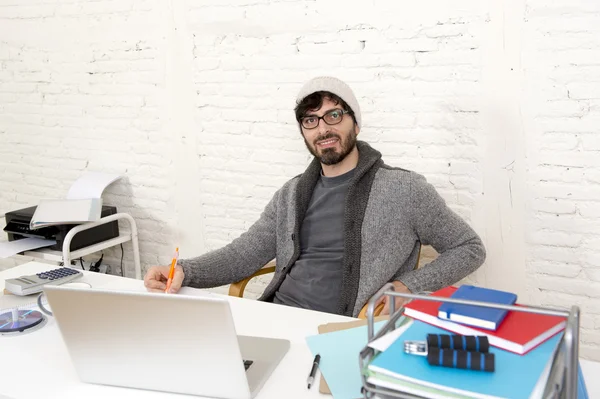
26, 285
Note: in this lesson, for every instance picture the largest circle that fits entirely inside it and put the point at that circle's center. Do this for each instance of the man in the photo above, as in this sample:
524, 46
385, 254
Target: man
344, 228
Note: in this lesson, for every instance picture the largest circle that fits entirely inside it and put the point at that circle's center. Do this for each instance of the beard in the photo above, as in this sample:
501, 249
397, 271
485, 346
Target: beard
329, 156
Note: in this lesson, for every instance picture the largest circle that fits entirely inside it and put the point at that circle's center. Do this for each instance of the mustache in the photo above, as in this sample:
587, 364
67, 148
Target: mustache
327, 137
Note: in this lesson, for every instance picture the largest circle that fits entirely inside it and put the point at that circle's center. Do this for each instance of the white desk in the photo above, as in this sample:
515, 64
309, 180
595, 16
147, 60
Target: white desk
37, 365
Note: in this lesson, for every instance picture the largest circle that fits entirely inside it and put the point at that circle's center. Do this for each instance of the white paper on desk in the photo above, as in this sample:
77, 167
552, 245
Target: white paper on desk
91, 185
388, 339
189, 291
10, 248
126, 285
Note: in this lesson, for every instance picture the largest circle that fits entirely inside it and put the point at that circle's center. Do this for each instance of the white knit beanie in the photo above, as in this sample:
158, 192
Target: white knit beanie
332, 85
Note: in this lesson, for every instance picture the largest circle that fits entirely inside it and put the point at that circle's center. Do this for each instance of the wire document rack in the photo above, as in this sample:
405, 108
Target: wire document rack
562, 379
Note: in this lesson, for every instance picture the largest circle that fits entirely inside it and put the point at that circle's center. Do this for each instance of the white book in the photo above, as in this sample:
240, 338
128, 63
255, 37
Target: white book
66, 211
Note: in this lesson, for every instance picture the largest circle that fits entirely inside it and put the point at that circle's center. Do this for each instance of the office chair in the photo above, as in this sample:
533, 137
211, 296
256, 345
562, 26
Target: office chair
237, 289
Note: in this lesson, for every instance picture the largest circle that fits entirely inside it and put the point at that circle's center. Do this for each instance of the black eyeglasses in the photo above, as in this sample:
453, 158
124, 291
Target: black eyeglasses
332, 117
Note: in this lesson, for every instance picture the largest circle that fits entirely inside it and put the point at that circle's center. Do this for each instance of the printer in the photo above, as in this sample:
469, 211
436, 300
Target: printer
17, 227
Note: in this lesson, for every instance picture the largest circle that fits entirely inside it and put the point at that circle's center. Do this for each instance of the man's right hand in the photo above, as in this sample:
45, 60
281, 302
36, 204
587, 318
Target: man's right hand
156, 279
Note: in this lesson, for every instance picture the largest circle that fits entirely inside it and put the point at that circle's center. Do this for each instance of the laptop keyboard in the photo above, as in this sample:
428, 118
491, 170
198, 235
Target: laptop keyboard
247, 364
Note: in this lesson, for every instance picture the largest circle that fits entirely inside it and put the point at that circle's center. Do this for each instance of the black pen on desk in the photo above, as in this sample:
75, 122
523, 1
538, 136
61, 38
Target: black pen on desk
313, 370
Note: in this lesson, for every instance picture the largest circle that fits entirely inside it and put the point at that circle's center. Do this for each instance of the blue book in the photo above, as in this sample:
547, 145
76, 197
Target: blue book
582, 392
515, 376
486, 318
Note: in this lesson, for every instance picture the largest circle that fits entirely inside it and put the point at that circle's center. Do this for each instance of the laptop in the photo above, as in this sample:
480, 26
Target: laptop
173, 343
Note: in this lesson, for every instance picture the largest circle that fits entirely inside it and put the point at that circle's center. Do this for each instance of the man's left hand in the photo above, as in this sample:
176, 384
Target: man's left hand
399, 301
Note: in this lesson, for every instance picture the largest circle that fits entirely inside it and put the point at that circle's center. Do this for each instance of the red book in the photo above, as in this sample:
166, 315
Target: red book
520, 332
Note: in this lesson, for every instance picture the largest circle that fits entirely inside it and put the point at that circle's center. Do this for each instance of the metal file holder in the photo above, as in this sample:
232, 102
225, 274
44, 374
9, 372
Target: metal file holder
562, 379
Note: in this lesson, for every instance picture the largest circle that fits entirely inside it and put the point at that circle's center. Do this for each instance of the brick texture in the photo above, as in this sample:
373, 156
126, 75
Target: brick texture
192, 103
561, 71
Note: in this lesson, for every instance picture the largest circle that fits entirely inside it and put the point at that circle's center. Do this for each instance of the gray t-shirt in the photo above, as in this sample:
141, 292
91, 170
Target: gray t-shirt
314, 281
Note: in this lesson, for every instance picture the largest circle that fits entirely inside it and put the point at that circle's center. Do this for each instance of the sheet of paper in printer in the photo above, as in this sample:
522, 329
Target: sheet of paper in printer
82, 204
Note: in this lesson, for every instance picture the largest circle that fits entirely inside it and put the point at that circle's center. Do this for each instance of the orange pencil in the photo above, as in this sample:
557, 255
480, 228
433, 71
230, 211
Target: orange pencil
172, 270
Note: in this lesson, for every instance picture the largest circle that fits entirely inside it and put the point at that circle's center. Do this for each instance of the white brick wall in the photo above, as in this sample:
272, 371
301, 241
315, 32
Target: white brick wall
561, 49
496, 103
82, 86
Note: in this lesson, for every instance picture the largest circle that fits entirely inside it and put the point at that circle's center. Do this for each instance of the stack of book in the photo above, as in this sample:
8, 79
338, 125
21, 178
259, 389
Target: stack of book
522, 344
517, 332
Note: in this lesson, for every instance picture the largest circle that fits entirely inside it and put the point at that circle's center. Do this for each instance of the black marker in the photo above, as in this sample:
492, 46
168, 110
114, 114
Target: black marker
313, 370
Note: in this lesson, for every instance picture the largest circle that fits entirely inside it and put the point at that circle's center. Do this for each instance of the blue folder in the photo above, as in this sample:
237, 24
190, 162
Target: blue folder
339, 359
582, 392
515, 375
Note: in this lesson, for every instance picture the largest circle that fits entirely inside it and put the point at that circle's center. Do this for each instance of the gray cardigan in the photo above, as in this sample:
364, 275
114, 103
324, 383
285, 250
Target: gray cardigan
389, 213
